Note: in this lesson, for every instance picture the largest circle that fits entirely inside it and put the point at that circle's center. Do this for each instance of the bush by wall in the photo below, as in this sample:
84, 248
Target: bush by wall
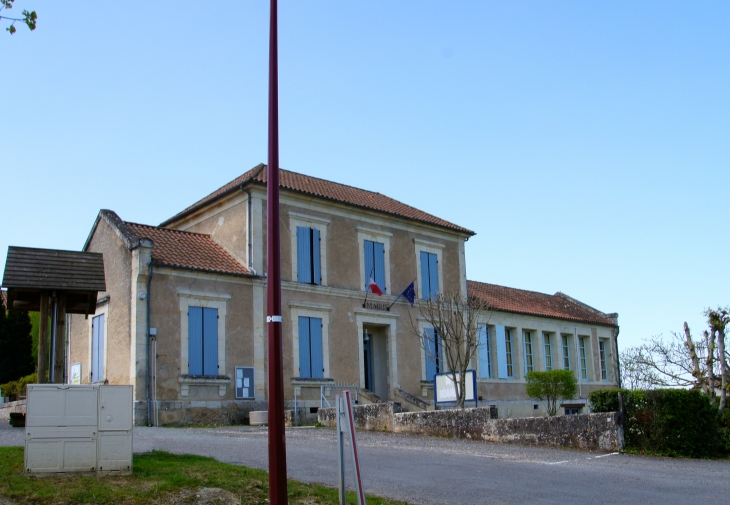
672, 422
13, 389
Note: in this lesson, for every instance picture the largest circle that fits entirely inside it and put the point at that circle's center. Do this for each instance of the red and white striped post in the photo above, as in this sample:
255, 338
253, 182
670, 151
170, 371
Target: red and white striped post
277, 441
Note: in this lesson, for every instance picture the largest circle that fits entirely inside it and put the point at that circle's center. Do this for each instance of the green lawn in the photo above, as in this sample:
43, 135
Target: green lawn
157, 477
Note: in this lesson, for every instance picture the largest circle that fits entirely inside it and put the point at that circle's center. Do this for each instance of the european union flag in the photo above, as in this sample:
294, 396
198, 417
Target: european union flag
410, 293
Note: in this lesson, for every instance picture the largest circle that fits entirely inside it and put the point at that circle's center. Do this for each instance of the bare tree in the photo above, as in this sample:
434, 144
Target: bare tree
681, 360
454, 340
718, 320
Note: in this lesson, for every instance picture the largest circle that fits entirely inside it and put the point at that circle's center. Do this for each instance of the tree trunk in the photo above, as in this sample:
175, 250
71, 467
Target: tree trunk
695, 361
43, 340
723, 370
711, 360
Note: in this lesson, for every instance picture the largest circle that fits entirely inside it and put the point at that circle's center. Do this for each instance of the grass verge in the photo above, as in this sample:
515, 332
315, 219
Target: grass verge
158, 476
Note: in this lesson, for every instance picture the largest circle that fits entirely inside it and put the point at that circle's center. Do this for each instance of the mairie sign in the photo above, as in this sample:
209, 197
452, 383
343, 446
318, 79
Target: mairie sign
444, 389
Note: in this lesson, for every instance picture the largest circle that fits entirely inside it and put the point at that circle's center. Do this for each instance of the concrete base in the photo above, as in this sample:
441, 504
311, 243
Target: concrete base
258, 418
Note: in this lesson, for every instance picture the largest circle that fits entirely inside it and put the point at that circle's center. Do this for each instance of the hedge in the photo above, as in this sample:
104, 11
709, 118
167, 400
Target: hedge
671, 422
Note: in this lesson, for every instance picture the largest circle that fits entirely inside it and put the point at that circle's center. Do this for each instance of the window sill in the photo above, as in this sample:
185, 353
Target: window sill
307, 381
186, 381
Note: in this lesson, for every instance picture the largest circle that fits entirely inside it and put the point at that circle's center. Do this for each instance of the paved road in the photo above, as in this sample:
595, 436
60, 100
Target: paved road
425, 470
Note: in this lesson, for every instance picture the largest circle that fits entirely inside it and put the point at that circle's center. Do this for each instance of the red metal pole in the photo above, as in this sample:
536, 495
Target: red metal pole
277, 442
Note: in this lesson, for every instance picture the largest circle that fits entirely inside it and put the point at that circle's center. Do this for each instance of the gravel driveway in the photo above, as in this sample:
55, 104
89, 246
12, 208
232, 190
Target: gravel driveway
427, 470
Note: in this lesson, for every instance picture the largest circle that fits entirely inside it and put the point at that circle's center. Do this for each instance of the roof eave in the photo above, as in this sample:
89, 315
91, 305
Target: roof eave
156, 263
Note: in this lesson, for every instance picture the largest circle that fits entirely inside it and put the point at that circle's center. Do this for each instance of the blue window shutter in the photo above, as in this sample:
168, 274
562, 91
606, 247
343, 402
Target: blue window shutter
430, 350
501, 353
97, 348
315, 334
94, 347
305, 369
316, 259
433, 271
425, 278
101, 347
369, 262
210, 341
304, 258
485, 371
379, 256
195, 340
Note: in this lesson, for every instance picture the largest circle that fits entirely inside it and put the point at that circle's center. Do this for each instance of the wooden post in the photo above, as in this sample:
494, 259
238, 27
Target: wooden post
43, 339
60, 356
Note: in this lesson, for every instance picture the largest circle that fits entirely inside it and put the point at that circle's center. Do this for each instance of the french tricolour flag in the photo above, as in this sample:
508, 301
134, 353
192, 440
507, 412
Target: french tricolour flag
374, 288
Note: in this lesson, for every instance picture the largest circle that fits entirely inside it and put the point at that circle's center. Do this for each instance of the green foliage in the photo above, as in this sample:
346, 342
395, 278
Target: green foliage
550, 387
35, 322
16, 353
17, 388
672, 422
29, 18
158, 477
606, 400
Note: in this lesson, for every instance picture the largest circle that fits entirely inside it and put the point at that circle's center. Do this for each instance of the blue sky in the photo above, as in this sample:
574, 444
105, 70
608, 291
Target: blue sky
587, 143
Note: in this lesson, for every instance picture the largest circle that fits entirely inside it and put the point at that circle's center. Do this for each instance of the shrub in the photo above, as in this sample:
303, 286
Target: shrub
551, 386
672, 422
18, 387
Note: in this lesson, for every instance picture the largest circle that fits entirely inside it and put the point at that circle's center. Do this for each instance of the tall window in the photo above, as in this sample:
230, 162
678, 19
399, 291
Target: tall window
508, 351
311, 364
97, 348
583, 361
308, 256
527, 337
433, 353
548, 351
602, 353
202, 341
374, 264
429, 275
566, 353
485, 358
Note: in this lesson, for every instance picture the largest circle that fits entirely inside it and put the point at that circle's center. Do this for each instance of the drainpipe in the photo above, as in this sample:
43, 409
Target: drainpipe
149, 371
250, 245
618, 358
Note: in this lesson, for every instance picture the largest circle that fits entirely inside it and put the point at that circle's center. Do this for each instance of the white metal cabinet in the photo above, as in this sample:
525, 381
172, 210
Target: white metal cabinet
115, 451
60, 455
115, 408
78, 428
61, 405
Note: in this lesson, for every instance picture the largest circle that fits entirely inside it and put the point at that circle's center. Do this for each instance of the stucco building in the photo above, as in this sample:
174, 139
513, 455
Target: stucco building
183, 319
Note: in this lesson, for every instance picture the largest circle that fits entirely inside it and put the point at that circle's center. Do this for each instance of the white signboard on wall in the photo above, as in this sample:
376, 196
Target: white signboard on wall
75, 373
445, 390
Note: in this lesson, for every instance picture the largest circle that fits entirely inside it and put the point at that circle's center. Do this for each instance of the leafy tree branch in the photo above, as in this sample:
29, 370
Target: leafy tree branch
29, 18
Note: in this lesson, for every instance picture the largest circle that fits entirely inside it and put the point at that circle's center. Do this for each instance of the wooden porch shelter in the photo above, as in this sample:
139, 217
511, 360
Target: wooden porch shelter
54, 283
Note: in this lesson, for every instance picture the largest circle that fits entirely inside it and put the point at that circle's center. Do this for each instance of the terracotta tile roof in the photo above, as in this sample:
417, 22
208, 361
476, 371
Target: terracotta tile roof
192, 251
520, 301
328, 190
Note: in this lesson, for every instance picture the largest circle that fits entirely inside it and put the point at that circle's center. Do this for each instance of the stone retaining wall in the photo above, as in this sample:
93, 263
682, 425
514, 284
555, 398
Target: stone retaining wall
7, 408
192, 413
595, 432
373, 417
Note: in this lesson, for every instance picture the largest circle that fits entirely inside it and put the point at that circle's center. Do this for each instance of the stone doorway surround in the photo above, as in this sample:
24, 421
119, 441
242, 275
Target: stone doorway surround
386, 322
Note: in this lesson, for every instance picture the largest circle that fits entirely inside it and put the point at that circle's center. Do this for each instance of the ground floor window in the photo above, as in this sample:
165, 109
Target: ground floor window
202, 341
571, 411
311, 364
433, 351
